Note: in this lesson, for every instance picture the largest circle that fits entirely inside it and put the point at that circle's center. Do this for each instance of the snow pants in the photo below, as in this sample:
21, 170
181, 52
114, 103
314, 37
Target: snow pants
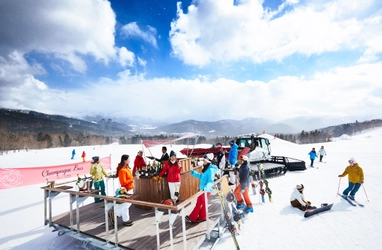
99, 185
174, 187
199, 212
239, 196
352, 188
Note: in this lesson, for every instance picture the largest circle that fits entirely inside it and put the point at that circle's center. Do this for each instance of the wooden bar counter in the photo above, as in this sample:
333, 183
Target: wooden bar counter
152, 191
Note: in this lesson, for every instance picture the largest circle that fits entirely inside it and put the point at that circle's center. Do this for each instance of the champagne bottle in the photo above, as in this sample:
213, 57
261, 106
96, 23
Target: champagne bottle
146, 171
78, 178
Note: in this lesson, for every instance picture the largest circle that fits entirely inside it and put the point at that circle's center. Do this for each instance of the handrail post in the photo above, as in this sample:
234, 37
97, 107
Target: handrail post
206, 205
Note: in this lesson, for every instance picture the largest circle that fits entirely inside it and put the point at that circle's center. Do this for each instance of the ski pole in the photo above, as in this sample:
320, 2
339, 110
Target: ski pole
365, 192
339, 183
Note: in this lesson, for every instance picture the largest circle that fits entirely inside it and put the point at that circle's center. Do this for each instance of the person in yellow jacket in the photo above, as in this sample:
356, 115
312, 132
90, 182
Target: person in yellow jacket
97, 171
355, 176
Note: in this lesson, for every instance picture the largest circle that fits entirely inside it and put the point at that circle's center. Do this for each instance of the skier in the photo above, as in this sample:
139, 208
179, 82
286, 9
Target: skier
83, 156
232, 159
322, 152
97, 171
297, 199
73, 153
209, 170
313, 155
355, 177
241, 190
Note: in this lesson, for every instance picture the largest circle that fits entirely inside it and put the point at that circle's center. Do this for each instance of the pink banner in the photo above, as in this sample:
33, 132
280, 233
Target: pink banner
17, 177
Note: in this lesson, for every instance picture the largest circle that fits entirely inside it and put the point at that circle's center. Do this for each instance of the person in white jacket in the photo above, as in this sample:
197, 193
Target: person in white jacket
322, 152
297, 199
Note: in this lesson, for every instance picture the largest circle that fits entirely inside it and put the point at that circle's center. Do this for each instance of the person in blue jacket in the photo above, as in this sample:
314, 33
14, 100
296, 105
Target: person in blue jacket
207, 176
232, 155
232, 160
313, 155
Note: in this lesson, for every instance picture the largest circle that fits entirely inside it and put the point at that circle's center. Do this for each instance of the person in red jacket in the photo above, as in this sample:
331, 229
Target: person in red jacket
139, 162
173, 169
83, 156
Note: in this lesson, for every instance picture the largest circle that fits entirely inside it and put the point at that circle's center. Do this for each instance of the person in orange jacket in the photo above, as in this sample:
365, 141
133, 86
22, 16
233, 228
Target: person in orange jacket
126, 179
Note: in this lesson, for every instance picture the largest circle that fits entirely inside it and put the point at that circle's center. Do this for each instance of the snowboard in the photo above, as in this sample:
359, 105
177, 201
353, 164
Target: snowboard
309, 213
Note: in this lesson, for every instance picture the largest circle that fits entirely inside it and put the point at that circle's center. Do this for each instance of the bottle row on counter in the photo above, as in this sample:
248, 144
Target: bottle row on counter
150, 170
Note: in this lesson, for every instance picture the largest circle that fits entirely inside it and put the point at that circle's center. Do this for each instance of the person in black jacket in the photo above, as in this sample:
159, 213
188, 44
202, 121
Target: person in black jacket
164, 156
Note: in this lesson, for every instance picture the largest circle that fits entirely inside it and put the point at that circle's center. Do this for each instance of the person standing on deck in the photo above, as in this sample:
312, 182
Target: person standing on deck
97, 171
207, 176
173, 169
126, 180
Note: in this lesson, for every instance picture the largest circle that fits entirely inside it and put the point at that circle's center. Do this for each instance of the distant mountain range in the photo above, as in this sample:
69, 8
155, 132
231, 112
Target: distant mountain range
35, 122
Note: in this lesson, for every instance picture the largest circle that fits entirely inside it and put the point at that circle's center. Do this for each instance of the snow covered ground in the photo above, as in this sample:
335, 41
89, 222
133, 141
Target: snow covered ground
273, 225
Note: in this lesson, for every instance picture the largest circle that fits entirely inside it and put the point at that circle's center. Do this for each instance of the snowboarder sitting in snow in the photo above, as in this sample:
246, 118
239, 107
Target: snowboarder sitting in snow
297, 199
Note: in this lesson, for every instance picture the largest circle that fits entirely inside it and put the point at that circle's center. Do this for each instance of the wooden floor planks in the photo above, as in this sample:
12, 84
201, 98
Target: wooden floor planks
142, 235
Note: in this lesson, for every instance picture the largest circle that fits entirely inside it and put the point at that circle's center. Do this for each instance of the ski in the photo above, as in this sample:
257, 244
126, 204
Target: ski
348, 200
358, 203
267, 189
227, 212
262, 191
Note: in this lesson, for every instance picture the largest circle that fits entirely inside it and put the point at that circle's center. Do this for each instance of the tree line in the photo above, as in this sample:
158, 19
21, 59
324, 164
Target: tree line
11, 141
24, 141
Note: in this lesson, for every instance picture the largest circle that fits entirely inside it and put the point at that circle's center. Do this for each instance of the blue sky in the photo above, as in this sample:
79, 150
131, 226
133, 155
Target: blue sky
205, 60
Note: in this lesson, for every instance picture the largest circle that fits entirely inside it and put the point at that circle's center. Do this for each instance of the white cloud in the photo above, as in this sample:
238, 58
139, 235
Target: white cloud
132, 30
223, 32
353, 90
142, 62
64, 29
126, 57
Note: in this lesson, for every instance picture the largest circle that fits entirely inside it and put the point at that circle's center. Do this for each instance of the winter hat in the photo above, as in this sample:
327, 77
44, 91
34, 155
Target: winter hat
120, 191
299, 187
231, 142
352, 160
208, 157
244, 158
95, 158
172, 153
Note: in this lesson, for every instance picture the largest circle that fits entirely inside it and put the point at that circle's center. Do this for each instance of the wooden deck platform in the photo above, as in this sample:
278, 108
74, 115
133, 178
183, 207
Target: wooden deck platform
143, 233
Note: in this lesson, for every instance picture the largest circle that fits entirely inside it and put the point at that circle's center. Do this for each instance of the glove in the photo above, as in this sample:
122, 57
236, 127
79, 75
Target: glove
340, 175
157, 178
